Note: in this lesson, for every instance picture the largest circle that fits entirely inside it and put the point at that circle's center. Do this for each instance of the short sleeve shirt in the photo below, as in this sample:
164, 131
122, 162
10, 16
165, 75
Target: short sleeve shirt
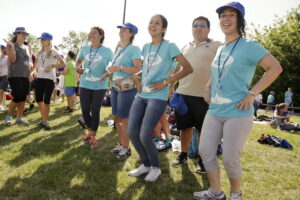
235, 78
158, 61
95, 61
45, 60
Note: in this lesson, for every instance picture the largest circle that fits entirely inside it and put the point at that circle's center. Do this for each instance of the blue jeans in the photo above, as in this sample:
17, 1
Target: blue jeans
143, 117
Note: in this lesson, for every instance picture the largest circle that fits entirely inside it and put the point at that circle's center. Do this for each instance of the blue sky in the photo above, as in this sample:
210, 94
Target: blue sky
59, 16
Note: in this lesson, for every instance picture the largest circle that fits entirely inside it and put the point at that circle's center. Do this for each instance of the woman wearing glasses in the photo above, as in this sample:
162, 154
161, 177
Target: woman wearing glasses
150, 103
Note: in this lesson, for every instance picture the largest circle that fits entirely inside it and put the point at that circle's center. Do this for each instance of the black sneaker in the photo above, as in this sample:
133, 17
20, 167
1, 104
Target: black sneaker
82, 123
69, 111
46, 126
200, 167
181, 159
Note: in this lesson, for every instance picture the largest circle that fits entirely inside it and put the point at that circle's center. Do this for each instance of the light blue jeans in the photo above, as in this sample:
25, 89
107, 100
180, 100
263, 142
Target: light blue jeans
143, 117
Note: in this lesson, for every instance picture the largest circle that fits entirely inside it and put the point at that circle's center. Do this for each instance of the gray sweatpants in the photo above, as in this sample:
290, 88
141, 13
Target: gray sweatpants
234, 132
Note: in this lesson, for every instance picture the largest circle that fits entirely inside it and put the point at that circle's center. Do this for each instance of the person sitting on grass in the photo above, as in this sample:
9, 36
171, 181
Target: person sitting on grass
281, 119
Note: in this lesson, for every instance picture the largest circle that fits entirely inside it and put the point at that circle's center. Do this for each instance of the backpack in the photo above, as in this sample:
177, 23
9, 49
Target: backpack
274, 141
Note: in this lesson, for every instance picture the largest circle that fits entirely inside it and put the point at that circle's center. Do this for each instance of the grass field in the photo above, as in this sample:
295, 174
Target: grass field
38, 164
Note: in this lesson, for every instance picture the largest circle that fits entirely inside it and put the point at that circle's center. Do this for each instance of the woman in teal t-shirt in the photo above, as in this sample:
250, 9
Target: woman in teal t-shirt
231, 101
95, 59
126, 62
153, 90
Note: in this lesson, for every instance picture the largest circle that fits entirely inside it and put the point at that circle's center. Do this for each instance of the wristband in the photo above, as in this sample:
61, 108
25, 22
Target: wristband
251, 93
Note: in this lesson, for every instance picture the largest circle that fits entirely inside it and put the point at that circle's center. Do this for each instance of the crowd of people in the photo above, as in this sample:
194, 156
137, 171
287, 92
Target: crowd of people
212, 78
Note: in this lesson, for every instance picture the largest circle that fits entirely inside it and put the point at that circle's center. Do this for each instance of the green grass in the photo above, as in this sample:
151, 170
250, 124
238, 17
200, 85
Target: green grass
37, 164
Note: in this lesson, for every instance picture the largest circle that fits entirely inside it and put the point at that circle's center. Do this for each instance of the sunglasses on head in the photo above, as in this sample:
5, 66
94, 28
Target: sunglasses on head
199, 25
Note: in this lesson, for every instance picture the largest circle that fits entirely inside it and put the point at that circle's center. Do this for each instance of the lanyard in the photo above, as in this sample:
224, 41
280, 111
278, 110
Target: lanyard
43, 59
120, 52
149, 65
2, 58
90, 56
220, 70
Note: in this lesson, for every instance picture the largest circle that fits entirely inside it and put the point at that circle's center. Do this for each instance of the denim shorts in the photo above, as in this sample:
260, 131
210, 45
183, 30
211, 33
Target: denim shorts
69, 91
121, 102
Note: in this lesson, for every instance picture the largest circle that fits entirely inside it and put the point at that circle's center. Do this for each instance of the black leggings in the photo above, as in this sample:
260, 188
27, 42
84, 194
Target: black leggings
19, 88
90, 102
43, 90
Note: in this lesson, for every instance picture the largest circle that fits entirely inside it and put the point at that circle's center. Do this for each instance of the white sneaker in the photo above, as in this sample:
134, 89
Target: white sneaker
153, 174
117, 148
2, 108
235, 196
139, 171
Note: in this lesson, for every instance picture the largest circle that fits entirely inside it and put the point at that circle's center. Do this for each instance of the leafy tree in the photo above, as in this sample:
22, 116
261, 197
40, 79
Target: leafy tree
282, 40
73, 42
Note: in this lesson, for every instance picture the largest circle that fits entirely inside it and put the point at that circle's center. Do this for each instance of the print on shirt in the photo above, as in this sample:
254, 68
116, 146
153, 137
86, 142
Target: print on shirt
94, 60
152, 60
218, 98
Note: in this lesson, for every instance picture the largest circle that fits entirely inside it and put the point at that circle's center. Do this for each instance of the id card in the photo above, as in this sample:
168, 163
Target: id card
87, 70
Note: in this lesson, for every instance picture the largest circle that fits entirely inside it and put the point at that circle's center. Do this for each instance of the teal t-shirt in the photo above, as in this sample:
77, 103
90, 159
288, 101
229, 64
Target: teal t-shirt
236, 77
124, 57
94, 64
288, 96
158, 61
270, 99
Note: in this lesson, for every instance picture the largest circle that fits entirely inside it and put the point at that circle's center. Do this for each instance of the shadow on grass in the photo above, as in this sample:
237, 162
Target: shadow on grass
81, 173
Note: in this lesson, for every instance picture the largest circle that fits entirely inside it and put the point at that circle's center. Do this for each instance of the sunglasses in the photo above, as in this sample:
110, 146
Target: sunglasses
199, 25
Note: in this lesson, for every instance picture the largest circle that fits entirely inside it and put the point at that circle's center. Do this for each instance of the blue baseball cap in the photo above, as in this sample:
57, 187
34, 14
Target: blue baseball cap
2, 47
236, 5
21, 30
130, 26
47, 36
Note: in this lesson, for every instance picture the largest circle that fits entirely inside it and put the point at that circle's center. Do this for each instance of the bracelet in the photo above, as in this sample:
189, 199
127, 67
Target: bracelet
251, 93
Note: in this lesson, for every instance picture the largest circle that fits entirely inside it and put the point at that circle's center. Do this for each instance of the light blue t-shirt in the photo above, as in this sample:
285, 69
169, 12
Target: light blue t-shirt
236, 77
94, 64
270, 99
124, 57
288, 96
158, 61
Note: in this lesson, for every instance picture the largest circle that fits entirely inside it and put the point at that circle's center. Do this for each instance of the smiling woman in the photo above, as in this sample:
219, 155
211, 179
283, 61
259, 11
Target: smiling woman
95, 59
229, 116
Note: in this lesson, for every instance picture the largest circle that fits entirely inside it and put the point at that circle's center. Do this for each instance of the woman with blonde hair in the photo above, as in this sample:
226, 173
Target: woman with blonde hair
47, 62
